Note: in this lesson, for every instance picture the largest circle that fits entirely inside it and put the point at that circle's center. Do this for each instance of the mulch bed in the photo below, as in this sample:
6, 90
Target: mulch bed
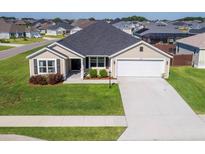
107, 78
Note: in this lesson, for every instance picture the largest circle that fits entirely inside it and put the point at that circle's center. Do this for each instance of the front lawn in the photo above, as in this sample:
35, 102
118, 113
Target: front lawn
67, 133
2, 48
17, 97
190, 84
54, 36
24, 41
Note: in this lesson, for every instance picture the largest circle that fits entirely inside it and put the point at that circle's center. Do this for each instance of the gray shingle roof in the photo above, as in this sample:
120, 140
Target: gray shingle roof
153, 28
197, 31
99, 38
62, 25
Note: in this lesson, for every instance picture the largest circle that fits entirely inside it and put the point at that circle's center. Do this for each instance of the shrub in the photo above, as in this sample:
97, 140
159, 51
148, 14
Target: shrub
55, 78
93, 73
4, 41
38, 79
103, 73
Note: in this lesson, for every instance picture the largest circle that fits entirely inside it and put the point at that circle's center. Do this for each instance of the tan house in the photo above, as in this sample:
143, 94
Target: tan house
101, 46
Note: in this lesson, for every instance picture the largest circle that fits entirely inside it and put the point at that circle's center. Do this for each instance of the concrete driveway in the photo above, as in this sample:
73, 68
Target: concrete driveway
155, 111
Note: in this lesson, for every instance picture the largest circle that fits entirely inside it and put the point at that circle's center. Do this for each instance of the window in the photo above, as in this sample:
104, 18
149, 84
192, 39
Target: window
93, 62
141, 49
97, 61
46, 66
101, 62
42, 66
51, 66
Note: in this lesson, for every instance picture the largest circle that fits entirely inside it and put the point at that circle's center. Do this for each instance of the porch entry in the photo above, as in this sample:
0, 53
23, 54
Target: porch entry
75, 64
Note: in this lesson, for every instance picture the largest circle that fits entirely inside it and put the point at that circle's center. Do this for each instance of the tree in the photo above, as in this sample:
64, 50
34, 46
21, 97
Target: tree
191, 19
92, 19
134, 18
57, 20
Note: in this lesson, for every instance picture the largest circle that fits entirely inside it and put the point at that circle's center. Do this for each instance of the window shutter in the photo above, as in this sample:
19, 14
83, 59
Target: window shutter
35, 66
107, 62
58, 66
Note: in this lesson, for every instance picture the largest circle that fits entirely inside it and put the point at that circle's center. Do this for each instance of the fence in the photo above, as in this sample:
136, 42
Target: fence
182, 60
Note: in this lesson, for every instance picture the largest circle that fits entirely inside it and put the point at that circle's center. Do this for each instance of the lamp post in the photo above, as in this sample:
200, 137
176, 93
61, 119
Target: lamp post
110, 79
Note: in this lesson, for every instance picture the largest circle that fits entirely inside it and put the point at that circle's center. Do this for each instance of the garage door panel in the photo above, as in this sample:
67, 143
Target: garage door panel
140, 68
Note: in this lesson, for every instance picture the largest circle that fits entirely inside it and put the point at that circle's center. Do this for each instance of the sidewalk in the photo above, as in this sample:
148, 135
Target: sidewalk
62, 121
11, 44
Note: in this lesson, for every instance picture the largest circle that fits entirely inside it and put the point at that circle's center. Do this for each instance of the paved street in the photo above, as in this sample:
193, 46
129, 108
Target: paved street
61, 121
14, 51
155, 111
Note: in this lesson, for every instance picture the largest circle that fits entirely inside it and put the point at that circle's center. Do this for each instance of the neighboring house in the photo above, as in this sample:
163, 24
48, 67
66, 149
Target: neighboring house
32, 32
10, 30
4, 30
101, 46
59, 29
159, 33
125, 26
193, 45
21, 22
80, 24
42, 25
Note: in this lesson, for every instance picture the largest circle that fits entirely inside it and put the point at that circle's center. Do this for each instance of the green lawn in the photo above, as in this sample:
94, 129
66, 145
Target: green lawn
17, 97
23, 41
68, 133
2, 48
190, 84
53, 36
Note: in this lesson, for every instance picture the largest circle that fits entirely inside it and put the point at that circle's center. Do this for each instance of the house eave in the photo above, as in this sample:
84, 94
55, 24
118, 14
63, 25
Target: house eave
136, 44
47, 49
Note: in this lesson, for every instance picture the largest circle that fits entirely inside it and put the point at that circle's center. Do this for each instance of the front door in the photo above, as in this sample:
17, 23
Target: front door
75, 64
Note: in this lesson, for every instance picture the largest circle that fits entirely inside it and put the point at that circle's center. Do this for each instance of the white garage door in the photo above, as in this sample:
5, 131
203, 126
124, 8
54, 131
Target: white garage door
140, 68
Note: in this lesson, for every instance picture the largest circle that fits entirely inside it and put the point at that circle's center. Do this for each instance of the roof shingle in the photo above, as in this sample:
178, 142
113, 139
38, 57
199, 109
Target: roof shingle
99, 38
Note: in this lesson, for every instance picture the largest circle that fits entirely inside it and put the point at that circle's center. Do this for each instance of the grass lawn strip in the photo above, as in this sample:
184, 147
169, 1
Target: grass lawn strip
25, 41
67, 133
190, 84
2, 48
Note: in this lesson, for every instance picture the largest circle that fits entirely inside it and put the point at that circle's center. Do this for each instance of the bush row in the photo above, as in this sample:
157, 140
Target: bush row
93, 73
4, 41
44, 80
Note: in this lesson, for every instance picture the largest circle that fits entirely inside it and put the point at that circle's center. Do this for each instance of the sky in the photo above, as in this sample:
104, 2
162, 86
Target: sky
102, 15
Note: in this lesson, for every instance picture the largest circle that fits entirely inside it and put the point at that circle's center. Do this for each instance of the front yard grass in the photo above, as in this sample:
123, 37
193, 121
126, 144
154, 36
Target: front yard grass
17, 97
54, 36
25, 41
67, 133
190, 84
2, 48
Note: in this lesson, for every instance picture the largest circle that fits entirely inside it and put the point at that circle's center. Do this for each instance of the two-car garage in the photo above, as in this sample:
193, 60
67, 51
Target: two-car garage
141, 60
141, 68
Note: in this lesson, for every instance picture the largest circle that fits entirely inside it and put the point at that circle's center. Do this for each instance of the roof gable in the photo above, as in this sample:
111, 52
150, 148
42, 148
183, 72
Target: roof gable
144, 43
46, 49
